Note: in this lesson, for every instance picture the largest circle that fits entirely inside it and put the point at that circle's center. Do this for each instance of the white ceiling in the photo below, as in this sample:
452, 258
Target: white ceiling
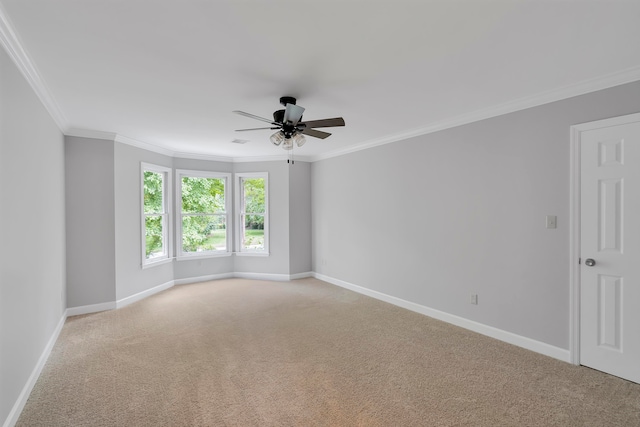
169, 72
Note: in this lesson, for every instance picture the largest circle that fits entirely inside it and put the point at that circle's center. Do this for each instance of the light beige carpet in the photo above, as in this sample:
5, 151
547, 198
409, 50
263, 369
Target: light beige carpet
305, 353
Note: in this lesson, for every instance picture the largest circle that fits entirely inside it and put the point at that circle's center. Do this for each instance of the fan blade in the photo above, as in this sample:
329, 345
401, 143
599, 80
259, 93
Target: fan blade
251, 116
243, 130
315, 133
293, 114
324, 123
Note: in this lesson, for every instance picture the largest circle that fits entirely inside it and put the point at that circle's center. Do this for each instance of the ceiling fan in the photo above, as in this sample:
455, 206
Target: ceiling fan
291, 128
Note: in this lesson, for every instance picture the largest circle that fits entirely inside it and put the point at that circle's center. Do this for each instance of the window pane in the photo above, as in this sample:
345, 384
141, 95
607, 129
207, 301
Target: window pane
153, 192
253, 195
204, 233
253, 238
202, 195
153, 236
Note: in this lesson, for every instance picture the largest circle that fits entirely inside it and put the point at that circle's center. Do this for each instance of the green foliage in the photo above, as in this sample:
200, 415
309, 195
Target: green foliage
202, 196
254, 239
203, 208
203, 233
153, 235
153, 193
254, 202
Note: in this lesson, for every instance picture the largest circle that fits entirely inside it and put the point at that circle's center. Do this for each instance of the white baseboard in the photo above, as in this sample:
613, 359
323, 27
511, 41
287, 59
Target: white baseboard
95, 308
262, 276
509, 337
104, 306
207, 278
144, 294
274, 277
502, 335
15, 412
241, 275
92, 308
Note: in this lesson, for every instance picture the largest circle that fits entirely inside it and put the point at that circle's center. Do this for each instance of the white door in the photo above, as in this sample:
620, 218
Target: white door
610, 247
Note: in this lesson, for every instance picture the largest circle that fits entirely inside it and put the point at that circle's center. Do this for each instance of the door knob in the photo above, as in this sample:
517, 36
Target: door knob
589, 262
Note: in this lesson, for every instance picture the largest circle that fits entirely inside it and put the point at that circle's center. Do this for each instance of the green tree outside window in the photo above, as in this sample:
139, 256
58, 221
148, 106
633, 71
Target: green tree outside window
204, 214
154, 214
253, 213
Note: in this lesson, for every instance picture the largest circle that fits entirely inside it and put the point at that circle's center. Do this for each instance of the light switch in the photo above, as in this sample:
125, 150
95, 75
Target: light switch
552, 221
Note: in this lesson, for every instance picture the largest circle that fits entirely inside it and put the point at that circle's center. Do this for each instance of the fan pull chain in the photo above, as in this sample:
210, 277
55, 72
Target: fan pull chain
290, 159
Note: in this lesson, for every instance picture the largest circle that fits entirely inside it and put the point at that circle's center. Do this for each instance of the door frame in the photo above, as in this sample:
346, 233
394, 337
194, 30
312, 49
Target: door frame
574, 224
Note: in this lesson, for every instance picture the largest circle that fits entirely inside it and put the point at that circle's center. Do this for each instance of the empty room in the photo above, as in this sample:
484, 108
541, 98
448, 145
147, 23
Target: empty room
305, 213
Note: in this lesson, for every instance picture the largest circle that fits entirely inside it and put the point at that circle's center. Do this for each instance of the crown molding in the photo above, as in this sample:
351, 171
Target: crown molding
11, 42
144, 145
581, 88
114, 137
277, 158
247, 159
202, 156
93, 134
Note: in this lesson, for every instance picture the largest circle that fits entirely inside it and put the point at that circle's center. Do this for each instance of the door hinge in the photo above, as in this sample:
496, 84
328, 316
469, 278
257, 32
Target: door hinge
579, 260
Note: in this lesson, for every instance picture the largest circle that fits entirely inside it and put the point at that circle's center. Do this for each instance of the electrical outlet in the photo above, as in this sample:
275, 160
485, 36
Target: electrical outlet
474, 299
552, 221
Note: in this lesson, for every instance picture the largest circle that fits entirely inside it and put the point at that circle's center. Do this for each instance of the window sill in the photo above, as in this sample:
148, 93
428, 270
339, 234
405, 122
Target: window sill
154, 263
202, 256
251, 253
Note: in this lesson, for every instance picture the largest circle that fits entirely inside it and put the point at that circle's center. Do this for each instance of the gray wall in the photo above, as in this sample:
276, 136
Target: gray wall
32, 232
108, 267
300, 218
90, 205
278, 260
437, 217
103, 203
130, 277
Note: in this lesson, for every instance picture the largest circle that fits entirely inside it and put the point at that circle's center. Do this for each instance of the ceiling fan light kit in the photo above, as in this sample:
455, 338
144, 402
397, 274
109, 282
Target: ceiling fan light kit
291, 128
277, 138
299, 139
287, 144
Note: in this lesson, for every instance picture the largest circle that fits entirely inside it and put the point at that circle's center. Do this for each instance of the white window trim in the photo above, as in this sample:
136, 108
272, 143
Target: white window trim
239, 224
168, 223
180, 254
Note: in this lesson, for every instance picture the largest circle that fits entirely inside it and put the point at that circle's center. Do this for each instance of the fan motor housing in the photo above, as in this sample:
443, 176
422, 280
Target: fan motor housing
287, 128
287, 100
278, 116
